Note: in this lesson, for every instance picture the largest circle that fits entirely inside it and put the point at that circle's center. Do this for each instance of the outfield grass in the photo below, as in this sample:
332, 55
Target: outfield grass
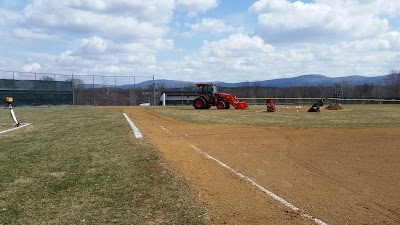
82, 165
350, 116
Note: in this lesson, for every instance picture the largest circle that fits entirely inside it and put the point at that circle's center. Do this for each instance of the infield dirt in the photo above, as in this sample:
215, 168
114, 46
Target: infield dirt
338, 175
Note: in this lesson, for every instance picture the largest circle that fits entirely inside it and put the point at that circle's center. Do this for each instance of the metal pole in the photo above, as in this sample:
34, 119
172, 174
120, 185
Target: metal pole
94, 93
154, 92
115, 90
134, 89
73, 90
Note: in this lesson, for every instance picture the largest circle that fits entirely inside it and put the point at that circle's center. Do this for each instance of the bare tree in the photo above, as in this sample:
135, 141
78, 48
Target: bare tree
77, 83
364, 90
77, 86
321, 89
107, 93
256, 89
47, 78
344, 87
132, 97
393, 83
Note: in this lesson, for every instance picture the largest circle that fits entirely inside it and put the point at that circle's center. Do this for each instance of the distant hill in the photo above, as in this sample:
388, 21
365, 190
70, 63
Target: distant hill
303, 80
317, 80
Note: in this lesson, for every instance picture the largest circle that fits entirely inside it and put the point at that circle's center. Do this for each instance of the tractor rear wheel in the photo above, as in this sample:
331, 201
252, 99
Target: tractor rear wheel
221, 105
199, 103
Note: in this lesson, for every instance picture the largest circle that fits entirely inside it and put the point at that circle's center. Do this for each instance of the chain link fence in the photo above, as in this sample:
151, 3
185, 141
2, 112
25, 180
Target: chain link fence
74, 89
310, 101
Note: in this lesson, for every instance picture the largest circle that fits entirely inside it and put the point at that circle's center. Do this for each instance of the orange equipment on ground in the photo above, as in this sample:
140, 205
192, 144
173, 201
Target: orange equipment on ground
207, 96
270, 105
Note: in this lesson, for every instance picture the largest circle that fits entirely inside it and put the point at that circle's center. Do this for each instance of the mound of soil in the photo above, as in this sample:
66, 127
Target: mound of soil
333, 107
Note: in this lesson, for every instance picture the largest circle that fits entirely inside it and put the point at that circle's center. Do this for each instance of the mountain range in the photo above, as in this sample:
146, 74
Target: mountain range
302, 80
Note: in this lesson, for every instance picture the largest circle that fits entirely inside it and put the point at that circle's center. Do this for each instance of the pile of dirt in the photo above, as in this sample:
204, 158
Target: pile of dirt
333, 106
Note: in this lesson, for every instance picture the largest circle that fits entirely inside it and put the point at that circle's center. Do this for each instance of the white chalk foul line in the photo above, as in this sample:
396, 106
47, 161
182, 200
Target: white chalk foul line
15, 128
274, 196
165, 130
252, 182
136, 131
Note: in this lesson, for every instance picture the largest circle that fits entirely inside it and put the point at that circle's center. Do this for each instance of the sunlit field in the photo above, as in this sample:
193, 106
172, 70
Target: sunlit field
82, 165
292, 116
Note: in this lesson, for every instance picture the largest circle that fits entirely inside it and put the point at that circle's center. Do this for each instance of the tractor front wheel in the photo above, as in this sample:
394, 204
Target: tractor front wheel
221, 105
199, 103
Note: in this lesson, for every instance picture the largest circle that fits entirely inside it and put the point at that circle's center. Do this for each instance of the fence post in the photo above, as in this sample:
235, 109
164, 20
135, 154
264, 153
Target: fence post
94, 93
154, 92
115, 90
73, 89
134, 90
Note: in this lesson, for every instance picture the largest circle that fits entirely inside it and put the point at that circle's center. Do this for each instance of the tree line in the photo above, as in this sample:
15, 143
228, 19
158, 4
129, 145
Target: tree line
390, 89
134, 96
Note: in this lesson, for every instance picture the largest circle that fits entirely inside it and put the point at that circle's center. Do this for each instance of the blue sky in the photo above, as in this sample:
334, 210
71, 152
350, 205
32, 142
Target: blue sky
201, 40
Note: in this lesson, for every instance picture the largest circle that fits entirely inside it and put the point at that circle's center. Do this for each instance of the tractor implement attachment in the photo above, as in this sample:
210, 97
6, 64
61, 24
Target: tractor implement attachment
232, 99
241, 105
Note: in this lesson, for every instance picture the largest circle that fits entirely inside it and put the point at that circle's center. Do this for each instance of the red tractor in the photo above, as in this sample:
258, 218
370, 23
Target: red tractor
207, 96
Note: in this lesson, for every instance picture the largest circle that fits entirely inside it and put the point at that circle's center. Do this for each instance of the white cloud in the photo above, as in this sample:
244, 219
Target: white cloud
119, 19
229, 59
194, 7
98, 48
33, 34
93, 45
393, 38
33, 67
389, 41
159, 44
7, 17
142, 10
235, 45
209, 26
68, 58
98, 55
137, 37
281, 20
242, 57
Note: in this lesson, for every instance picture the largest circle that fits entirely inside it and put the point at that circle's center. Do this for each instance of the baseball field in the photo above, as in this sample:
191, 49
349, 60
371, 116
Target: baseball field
286, 167
83, 165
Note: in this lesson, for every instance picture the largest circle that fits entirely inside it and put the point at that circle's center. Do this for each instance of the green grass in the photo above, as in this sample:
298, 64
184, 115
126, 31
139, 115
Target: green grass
350, 116
82, 165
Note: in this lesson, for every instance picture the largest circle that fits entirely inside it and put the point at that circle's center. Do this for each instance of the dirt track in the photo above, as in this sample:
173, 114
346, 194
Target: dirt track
340, 176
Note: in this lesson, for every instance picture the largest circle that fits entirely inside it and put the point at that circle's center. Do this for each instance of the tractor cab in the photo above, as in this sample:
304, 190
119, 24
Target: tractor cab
207, 89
